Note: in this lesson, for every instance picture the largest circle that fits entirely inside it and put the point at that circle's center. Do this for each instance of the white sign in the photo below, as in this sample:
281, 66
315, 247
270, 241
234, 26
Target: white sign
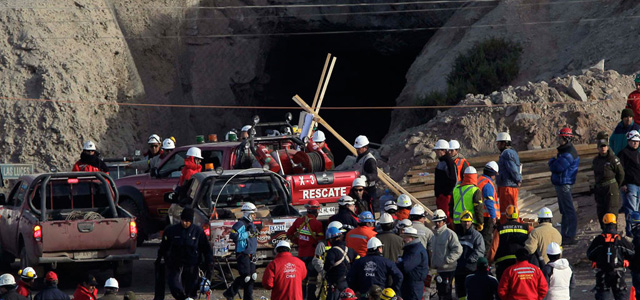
14, 171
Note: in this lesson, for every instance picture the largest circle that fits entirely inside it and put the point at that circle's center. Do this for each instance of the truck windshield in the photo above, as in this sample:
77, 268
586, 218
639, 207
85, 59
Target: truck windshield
259, 190
62, 195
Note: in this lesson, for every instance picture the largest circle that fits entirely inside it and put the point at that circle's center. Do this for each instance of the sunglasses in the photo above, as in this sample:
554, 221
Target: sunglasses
154, 146
358, 190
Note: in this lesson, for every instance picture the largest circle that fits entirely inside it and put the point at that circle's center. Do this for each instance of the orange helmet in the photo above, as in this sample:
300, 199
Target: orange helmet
312, 204
609, 219
512, 212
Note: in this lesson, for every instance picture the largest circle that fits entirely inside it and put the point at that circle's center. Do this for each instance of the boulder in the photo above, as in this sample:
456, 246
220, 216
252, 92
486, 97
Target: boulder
598, 66
576, 90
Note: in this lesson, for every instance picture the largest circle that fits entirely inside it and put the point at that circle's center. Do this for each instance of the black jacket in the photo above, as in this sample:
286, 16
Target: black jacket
51, 292
599, 254
12, 294
182, 246
445, 176
630, 160
336, 272
370, 167
483, 286
346, 217
373, 269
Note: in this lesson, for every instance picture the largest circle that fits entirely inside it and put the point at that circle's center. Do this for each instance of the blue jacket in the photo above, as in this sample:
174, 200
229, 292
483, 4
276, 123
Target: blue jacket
241, 234
618, 139
373, 269
483, 286
415, 267
564, 167
51, 292
509, 165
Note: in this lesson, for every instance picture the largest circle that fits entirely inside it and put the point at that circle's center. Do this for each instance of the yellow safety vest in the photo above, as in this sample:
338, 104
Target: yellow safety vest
463, 200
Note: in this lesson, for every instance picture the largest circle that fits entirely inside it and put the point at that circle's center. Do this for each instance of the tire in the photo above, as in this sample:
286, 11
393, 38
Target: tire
129, 205
123, 272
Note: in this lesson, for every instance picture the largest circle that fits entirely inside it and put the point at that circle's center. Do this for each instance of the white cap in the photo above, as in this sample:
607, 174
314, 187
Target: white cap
390, 205
246, 128
111, 283
153, 139
89, 145
7, 279
493, 166
195, 152
361, 141
283, 244
554, 249
404, 201
454, 145
385, 218
417, 210
404, 223
439, 215
318, 136
503, 137
441, 145
410, 231
168, 144
545, 212
359, 182
346, 199
374, 243
470, 170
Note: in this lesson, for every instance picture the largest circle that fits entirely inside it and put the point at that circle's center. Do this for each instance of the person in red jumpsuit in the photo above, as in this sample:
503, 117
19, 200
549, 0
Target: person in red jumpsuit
90, 160
191, 164
522, 281
284, 275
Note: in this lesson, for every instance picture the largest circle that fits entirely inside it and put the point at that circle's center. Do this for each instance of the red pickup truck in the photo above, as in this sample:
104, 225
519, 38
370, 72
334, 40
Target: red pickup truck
67, 218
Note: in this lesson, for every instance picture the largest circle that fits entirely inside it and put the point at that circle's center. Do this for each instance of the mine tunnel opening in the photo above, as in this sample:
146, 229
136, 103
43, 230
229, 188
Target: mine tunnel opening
366, 74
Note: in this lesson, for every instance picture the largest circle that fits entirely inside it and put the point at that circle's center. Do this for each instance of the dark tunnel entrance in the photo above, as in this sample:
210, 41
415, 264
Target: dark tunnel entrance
370, 71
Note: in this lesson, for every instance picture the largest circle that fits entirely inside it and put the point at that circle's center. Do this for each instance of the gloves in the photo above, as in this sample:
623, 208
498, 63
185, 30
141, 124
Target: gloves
625, 263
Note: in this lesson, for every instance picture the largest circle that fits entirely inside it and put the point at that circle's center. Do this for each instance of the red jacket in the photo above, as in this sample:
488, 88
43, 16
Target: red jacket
284, 277
357, 239
82, 167
309, 233
23, 289
82, 293
190, 168
633, 102
522, 281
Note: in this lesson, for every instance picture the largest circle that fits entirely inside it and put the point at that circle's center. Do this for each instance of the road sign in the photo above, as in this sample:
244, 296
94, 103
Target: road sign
14, 171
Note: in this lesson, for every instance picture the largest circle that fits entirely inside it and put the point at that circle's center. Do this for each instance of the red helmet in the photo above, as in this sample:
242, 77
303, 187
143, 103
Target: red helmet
348, 294
565, 132
312, 204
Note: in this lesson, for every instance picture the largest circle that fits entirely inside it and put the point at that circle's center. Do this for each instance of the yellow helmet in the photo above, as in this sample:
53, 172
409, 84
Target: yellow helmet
466, 216
512, 212
609, 219
388, 294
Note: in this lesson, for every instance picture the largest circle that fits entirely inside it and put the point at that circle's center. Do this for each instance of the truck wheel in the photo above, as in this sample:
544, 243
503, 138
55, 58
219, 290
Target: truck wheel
123, 272
129, 205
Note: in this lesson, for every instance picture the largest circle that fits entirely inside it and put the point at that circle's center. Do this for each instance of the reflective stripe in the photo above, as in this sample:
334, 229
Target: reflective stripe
503, 231
505, 258
358, 236
460, 199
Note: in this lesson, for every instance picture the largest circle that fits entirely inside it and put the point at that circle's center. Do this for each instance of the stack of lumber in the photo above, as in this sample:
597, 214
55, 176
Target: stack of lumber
536, 191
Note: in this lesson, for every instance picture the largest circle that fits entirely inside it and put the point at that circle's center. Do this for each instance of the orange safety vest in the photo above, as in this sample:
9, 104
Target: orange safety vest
459, 163
482, 181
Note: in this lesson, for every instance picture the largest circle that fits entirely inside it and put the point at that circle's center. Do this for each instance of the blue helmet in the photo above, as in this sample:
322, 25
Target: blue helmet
333, 232
634, 217
366, 217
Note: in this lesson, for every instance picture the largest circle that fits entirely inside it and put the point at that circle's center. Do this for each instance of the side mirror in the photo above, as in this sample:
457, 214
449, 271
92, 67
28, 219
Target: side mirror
170, 197
154, 172
3, 199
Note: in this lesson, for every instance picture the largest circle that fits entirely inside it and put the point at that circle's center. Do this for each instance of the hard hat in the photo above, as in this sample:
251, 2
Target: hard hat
7, 279
153, 139
609, 219
503, 137
231, 136
466, 216
470, 170
388, 294
634, 217
390, 205
554, 249
89, 145
404, 223
361, 141
318, 136
565, 132
366, 217
168, 144
195, 152
348, 294
385, 218
111, 283
493, 166
359, 182
637, 80
454, 145
417, 210
283, 244
633, 135
335, 224
511, 212
312, 204
410, 231
333, 232
249, 208
374, 243
246, 128
439, 215
404, 201
441, 145
346, 200
28, 273
545, 213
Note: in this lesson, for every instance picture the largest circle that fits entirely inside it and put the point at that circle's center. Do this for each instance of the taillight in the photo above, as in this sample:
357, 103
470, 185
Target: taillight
207, 230
37, 233
133, 229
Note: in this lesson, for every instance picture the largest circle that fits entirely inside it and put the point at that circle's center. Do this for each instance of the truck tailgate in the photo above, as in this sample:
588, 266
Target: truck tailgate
79, 235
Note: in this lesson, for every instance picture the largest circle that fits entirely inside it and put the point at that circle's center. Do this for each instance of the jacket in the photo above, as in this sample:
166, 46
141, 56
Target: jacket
190, 168
606, 168
82, 293
392, 245
348, 218
90, 163
424, 234
373, 269
509, 165
467, 196
633, 102
630, 160
185, 246
23, 289
337, 262
472, 248
243, 233
306, 232
598, 252
357, 239
12, 294
618, 139
483, 285
51, 292
564, 167
522, 281
489, 197
110, 296
284, 276
445, 176
540, 237
415, 267
155, 161
560, 279
447, 249
461, 165
367, 165
507, 239
364, 204
145, 164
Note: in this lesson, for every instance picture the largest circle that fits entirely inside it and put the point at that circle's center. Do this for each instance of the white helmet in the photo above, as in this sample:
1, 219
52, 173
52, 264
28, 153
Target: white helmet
503, 137
404, 223
404, 201
195, 152
359, 182
89, 145
318, 136
344, 200
441, 145
439, 215
231, 136
410, 231
336, 224
374, 243
153, 139
248, 209
554, 249
111, 283
361, 141
28, 273
545, 213
454, 145
417, 210
493, 166
385, 218
283, 244
470, 170
389, 205
246, 128
7, 279
633, 135
168, 144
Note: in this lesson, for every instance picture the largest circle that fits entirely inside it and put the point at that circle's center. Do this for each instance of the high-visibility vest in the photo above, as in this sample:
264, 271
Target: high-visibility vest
496, 204
459, 164
463, 200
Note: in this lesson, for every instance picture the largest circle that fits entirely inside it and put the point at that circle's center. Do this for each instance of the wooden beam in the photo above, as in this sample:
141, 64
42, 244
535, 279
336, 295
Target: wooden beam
324, 87
324, 72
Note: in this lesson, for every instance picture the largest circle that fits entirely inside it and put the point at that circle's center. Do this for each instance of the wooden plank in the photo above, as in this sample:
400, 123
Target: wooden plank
324, 72
324, 87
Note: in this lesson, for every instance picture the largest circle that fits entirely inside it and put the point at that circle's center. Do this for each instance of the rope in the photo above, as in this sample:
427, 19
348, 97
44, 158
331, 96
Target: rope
82, 215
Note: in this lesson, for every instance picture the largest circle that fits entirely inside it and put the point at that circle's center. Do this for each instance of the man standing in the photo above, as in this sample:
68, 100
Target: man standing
564, 168
182, 247
8, 288
467, 197
373, 269
284, 275
445, 176
306, 232
367, 165
50, 290
154, 150
491, 213
320, 140
110, 290
543, 235
459, 160
508, 238
167, 147
482, 283
392, 242
609, 175
523, 281
510, 177
357, 238
447, 250
472, 249
618, 139
417, 217
90, 160
359, 193
337, 263
346, 213
87, 290
404, 207
27, 276
630, 160
559, 274
244, 233
414, 264
633, 101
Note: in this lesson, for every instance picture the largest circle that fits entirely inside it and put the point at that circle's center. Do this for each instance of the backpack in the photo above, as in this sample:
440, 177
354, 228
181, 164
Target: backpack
611, 257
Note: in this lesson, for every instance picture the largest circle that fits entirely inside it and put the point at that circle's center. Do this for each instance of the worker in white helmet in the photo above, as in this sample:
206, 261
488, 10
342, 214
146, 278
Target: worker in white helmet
559, 274
542, 235
458, 159
418, 216
359, 193
90, 160
155, 148
367, 165
510, 177
445, 177
244, 234
244, 132
321, 140
392, 242
467, 197
192, 164
167, 147
486, 183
